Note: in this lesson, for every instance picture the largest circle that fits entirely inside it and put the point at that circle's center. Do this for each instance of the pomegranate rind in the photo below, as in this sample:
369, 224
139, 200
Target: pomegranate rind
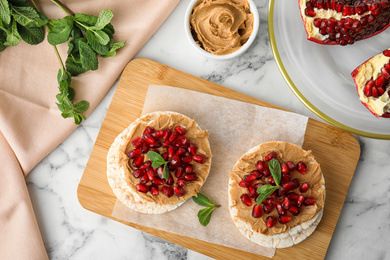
290, 236
118, 174
368, 70
313, 33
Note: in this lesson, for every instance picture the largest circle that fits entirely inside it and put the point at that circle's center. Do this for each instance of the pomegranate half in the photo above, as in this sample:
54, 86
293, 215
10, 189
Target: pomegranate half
372, 79
342, 22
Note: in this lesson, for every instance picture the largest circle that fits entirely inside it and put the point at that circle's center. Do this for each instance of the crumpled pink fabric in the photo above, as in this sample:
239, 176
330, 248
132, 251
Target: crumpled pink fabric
30, 123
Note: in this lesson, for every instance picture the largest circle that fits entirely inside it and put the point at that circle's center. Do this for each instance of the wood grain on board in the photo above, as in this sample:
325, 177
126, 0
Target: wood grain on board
336, 150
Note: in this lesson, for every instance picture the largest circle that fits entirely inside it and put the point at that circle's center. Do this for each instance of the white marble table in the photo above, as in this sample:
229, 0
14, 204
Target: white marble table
71, 232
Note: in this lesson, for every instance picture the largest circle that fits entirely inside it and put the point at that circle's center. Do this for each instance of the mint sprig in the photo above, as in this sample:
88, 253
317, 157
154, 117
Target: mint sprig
204, 215
266, 190
158, 161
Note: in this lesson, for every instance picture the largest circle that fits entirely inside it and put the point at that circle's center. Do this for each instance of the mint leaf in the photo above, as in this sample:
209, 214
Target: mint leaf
202, 200
264, 191
73, 65
60, 31
274, 167
165, 172
88, 57
104, 18
31, 35
28, 16
13, 36
86, 19
113, 49
5, 12
155, 157
81, 106
101, 37
204, 215
95, 44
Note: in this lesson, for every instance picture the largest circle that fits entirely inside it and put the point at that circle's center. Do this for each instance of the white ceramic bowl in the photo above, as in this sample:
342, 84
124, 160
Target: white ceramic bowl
207, 54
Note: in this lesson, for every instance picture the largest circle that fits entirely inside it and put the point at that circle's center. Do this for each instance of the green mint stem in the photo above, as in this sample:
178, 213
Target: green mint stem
62, 6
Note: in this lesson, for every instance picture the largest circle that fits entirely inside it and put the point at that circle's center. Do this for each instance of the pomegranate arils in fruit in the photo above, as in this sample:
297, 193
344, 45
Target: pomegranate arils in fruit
284, 219
199, 158
178, 191
301, 167
257, 211
270, 156
181, 130
244, 184
270, 221
260, 166
142, 187
246, 199
167, 191
304, 187
133, 153
309, 201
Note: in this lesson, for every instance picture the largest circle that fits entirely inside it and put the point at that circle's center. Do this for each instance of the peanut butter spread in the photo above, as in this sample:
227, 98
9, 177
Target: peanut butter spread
221, 26
196, 136
285, 152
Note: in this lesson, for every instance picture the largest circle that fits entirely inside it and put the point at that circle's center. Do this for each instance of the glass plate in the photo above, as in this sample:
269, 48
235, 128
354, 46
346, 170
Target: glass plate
320, 75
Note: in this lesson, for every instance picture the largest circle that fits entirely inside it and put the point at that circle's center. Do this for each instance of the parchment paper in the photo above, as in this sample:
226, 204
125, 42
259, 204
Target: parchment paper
234, 128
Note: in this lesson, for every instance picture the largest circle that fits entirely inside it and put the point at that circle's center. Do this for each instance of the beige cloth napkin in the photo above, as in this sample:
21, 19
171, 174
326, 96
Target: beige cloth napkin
30, 122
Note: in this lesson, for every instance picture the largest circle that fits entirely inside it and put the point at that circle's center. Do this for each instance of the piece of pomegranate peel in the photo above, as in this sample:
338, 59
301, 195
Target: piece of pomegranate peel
342, 22
372, 79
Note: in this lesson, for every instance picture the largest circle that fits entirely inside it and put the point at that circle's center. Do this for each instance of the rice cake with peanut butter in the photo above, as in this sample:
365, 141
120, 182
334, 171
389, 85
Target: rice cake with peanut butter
295, 207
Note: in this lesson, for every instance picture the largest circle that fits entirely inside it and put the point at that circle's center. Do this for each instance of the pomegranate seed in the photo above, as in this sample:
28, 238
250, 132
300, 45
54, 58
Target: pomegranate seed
257, 211
256, 173
167, 191
267, 208
310, 12
309, 201
186, 159
317, 22
296, 183
160, 172
149, 130
156, 144
291, 165
183, 140
244, 184
270, 201
386, 53
181, 151
175, 161
170, 180
368, 88
157, 182
146, 165
192, 149
138, 173
270, 221
252, 192
180, 182
380, 80
133, 153
281, 193
292, 196
286, 204
148, 138
304, 187
284, 167
157, 135
257, 185
266, 172
284, 219
300, 200
137, 142
294, 210
246, 199
280, 209
288, 186
171, 152
144, 179
270, 156
385, 72
260, 166
188, 168
145, 148
181, 130
271, 181
190, 176
166, 134
138, 161
150, 174
285, 177
179, 191
199, 158
301, 167
172, 137
166, 143
179, 172
249, 178
154, 190
142, 188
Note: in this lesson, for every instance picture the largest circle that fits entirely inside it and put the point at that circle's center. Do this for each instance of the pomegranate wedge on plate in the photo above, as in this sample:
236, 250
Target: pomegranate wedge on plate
372, 79
343, 22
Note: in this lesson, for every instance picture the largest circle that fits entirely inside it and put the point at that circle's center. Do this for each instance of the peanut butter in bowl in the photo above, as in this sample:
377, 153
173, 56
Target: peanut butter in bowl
222, 27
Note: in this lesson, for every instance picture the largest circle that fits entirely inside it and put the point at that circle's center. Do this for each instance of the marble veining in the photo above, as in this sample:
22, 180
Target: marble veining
71, 232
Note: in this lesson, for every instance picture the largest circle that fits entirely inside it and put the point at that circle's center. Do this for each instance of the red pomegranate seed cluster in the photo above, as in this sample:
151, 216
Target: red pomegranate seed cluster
285, 200
376, 88
176, 149
374, 15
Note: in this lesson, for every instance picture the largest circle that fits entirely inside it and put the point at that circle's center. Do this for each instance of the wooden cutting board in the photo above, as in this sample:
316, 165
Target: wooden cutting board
336, 150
